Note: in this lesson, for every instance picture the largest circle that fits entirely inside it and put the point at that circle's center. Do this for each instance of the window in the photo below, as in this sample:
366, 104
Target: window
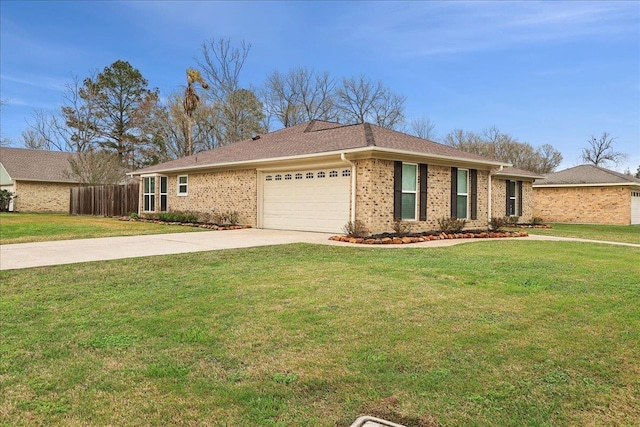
287, 177
278, 177
409, 191
149, 193
269, 178
346, 172
462, 196
511, 198
183, 185
298, 176
309, 175
333, 174
164, 193
321, 174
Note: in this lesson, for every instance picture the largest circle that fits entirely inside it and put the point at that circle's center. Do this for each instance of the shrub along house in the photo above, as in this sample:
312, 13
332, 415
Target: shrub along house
317, 176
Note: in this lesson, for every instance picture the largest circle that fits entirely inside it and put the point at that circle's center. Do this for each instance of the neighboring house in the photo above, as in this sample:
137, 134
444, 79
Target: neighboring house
511, 193
588, 194
38, 179
317, 176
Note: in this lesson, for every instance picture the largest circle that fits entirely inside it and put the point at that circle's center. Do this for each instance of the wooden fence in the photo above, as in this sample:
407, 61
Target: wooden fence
105, 200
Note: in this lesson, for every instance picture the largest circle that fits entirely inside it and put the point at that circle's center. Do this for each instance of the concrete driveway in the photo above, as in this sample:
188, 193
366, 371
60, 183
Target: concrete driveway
26, 255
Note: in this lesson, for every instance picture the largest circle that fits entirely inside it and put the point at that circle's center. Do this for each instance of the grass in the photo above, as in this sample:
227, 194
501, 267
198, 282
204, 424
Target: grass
35, 227
496, 333
612, 233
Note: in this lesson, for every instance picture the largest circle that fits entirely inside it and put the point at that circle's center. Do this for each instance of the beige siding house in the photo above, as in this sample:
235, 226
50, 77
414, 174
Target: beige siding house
588, 194
317, 176
38, 179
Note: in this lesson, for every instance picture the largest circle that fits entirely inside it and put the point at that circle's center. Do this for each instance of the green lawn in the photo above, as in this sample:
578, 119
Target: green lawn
493, 333
33, 227
613, 233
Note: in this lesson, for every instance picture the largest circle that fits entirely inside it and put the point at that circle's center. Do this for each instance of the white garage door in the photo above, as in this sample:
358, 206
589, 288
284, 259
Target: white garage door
308, 200
635, 207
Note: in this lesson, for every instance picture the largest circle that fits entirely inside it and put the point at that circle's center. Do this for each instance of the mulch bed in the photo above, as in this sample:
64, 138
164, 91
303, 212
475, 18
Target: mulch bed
390, 239
187, 224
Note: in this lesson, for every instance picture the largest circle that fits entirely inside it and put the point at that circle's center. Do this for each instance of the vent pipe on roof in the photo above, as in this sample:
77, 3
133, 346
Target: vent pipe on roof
255, 138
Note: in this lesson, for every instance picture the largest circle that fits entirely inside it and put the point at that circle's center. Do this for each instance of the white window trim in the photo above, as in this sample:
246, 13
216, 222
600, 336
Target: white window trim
152, 206
466, 195
513, 198
186, 184
414, 192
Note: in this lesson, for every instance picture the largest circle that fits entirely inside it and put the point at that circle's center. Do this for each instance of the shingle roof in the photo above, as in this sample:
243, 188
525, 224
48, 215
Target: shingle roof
313, 138
35, 165
586, 175
515, 172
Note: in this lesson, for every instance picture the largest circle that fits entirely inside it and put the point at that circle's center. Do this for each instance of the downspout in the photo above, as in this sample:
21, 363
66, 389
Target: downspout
353, 186
489, 192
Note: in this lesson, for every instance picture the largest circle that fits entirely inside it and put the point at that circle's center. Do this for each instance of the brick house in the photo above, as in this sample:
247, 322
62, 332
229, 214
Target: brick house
38, 178
512, 193
319, 175
588, 194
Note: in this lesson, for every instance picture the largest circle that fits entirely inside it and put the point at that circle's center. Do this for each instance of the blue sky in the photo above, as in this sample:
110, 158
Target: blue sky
544, 72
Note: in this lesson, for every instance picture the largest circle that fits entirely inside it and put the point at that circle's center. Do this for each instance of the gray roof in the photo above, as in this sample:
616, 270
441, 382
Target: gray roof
587, 175
315, 138
36, 165
517, 173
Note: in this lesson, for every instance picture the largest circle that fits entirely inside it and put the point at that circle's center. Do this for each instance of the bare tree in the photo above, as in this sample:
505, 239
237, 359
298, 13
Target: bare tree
503, 147
221, 65
93, 167
600, 151
299, 96
73, 128
359, 100
424, 127
239, 112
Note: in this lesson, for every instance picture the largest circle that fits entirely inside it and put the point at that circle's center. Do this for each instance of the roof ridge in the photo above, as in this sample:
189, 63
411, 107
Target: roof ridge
368, 135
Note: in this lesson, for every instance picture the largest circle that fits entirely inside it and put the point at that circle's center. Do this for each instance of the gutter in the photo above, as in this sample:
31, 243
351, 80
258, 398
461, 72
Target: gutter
353, 186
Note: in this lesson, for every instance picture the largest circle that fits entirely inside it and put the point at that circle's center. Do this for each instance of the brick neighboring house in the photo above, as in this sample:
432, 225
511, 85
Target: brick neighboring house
319, 175
588, 194
37, 178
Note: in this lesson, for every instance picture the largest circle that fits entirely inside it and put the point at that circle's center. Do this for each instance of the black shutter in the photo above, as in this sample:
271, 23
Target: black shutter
519, 198
454, 192
474, 193
397, 191
507, 200
423, 192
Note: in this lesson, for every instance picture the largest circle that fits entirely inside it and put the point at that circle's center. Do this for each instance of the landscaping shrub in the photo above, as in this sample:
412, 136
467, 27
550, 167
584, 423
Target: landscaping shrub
6, 197
496, 224
184, 217
536, 220
451, 225
401, 228
356, 229
223, 218
511, 220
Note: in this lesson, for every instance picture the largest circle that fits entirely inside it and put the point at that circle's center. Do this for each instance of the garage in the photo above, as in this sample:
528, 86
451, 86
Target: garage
635, 207
306, 200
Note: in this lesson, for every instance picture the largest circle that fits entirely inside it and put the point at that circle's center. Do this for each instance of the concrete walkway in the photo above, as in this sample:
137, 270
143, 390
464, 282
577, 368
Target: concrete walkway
27, 255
